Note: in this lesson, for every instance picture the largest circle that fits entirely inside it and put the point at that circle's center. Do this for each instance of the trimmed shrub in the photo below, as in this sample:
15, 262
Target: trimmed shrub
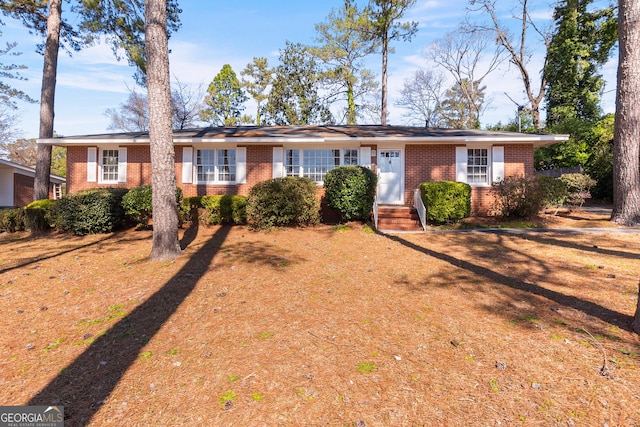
514, 197
91, 211
225, 209
38, 215
446, 201
137, 204
351, 190
191, 202
553, 191
187, 207
280, 202
12, 220
527, 197
578, 188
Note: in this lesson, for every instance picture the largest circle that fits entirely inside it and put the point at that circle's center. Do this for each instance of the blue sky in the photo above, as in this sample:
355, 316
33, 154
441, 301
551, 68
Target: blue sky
215, 33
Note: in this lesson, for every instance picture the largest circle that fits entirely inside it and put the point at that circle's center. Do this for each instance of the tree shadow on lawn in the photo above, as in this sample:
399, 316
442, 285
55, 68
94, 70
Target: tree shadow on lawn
547, 237
111, 238
84, 385
607, 315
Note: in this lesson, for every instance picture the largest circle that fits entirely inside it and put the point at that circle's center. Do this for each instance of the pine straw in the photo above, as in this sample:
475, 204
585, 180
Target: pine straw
271, 328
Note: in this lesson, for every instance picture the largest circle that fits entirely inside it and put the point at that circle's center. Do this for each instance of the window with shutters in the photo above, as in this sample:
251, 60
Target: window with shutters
216, 165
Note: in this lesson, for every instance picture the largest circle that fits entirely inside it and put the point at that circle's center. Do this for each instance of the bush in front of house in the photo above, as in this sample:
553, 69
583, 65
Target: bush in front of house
138, 206
553, 191
12, 220
446, 201
516, 196
579, 187
351, 190
187, 207
279, 202
91, 211
38, 215
522, 197
225, 209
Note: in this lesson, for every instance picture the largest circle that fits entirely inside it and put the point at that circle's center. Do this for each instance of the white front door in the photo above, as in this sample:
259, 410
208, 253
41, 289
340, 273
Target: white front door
390, 177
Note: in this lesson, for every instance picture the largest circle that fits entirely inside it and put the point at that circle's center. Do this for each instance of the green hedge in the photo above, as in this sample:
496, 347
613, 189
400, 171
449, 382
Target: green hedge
526, 197
446, 201
225, 209
38, 215
12, 220
579, 187
351, 190
138, 205
280, 202
91, 211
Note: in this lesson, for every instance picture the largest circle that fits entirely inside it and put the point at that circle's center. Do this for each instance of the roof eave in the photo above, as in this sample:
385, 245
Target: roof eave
536, 140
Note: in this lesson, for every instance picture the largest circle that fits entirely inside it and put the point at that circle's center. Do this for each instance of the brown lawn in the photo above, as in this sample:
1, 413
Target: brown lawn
325, 327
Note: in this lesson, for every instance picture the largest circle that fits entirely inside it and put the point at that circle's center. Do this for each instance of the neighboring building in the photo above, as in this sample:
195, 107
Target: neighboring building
16, 185
231, 160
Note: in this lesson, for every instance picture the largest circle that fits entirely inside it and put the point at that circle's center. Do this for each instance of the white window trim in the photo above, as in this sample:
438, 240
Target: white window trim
240, 165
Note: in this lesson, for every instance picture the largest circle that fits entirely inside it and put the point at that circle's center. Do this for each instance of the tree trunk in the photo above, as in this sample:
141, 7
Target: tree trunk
351, 105
163, 177
636, 318
626, 144
385, 51
47, 98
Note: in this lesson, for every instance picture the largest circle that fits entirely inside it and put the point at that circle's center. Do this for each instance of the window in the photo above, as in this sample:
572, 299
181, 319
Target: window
317, 163
109, 162
477, 166
292, 163
350, 157
226, 165
216, 165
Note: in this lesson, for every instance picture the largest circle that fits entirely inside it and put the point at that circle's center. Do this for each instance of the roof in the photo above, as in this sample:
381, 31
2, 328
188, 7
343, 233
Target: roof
316, 134
6, 164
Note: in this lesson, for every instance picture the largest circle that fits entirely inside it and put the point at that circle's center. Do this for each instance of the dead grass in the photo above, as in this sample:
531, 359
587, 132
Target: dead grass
324, 326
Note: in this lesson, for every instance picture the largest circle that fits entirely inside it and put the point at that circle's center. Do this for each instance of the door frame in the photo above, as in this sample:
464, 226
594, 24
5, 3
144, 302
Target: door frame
400, 200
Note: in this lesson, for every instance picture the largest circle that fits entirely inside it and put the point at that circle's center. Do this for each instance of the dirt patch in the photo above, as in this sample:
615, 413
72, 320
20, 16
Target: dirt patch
324, 326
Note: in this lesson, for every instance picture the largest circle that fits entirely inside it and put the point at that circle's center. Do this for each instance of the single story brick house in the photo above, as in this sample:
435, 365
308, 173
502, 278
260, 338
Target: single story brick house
16, 185
230, 160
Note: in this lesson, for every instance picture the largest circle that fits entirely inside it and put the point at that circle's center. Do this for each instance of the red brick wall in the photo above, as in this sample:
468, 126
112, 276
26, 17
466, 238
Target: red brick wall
138, 166
438, 162
427, 163
422, 163
518, 160
77, 170
22, 190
